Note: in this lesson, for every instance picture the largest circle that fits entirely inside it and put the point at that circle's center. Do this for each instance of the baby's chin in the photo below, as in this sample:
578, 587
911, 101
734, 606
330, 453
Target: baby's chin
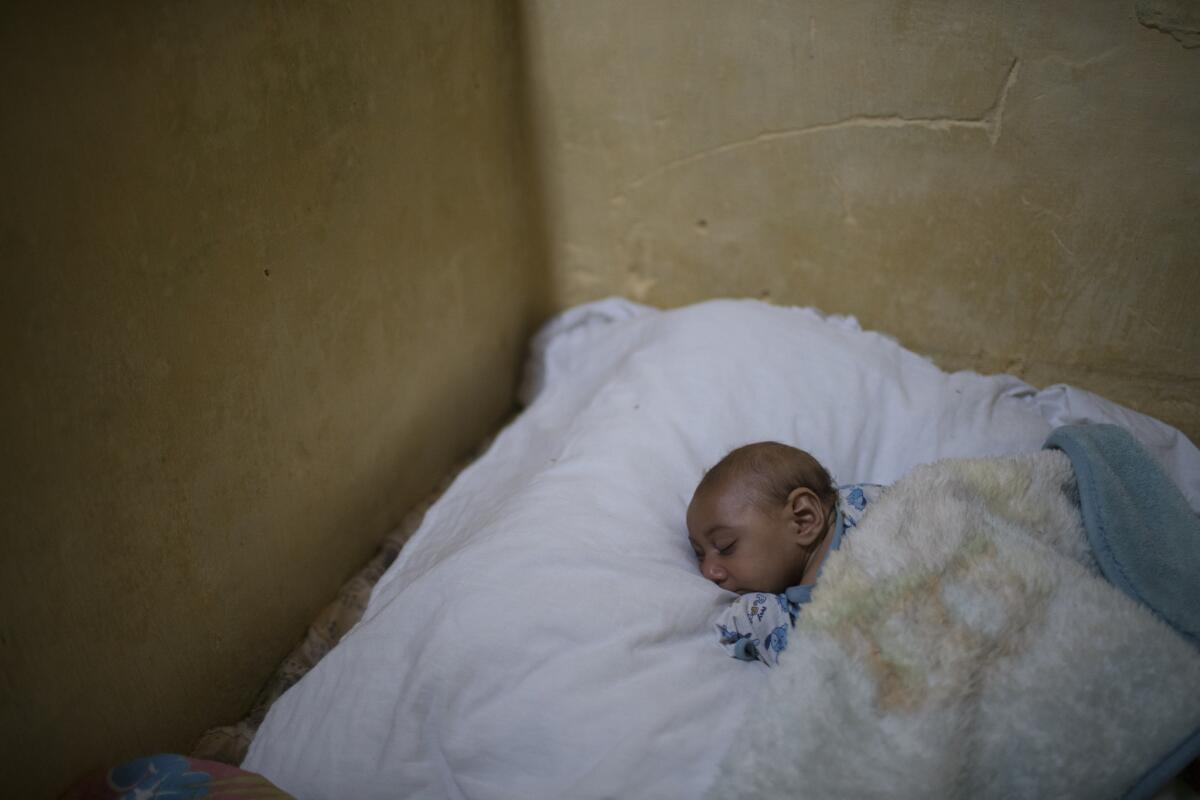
742, 590
769, 590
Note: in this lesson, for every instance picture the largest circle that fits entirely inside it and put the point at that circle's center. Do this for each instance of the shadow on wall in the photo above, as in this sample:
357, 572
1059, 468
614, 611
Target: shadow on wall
269, 273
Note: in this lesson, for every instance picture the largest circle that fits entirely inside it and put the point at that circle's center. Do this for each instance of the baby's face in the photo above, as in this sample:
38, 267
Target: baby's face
742, 547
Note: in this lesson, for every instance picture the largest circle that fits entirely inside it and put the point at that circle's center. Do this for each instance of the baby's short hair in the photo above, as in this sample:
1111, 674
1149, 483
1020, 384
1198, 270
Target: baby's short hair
770, 471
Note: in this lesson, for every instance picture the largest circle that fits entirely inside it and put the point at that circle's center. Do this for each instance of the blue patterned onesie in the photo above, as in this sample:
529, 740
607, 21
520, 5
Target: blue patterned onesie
756, 625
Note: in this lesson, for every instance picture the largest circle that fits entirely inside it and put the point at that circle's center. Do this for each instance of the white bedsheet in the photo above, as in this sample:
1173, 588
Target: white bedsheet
545, 634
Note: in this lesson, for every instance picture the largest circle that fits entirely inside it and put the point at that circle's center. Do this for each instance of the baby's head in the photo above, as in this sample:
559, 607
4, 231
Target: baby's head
759, 517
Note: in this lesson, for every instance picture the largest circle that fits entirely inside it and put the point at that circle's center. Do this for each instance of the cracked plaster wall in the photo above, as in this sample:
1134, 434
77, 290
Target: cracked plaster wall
268, 272
1004, 186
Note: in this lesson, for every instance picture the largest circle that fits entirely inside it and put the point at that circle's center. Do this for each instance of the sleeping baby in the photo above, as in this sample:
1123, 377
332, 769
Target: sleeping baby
762, 522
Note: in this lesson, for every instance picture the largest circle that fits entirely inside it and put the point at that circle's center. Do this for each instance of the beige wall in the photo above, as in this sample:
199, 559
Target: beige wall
267, 271
1005, 186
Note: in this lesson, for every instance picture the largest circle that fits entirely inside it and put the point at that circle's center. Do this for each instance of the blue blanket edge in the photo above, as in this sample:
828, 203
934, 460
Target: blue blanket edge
1138, 523
1077, 442
1150, 782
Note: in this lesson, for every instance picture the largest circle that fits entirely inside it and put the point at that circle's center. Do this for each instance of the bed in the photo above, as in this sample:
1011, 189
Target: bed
545, 632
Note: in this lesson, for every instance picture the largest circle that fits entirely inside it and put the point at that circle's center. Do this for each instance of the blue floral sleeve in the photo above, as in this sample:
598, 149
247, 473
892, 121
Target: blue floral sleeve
755, 627
853, 502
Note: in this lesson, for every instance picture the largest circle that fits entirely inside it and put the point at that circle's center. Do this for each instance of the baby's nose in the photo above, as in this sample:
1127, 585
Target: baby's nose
715, 572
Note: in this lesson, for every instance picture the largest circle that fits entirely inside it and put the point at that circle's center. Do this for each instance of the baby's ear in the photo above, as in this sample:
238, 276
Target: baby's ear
808, 514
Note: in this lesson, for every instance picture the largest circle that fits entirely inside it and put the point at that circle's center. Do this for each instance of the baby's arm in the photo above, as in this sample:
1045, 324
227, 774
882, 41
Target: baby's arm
755, 626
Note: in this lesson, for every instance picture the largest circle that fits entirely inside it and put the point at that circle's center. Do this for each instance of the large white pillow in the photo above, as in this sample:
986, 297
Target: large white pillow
545, 633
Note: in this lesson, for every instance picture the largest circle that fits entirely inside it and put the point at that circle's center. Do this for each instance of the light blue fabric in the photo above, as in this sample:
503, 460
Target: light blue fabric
1146, 540
1142, 531
1154, 779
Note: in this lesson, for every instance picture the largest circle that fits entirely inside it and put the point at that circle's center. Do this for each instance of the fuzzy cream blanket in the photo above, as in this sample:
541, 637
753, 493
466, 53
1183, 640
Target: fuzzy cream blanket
963, 643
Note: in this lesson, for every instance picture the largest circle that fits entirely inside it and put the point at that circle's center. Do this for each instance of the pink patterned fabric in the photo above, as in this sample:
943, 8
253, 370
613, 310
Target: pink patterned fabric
174, 777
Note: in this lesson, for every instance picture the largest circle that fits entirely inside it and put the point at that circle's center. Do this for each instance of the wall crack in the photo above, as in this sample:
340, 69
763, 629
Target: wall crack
1179, 18
990, 123
1058, 58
